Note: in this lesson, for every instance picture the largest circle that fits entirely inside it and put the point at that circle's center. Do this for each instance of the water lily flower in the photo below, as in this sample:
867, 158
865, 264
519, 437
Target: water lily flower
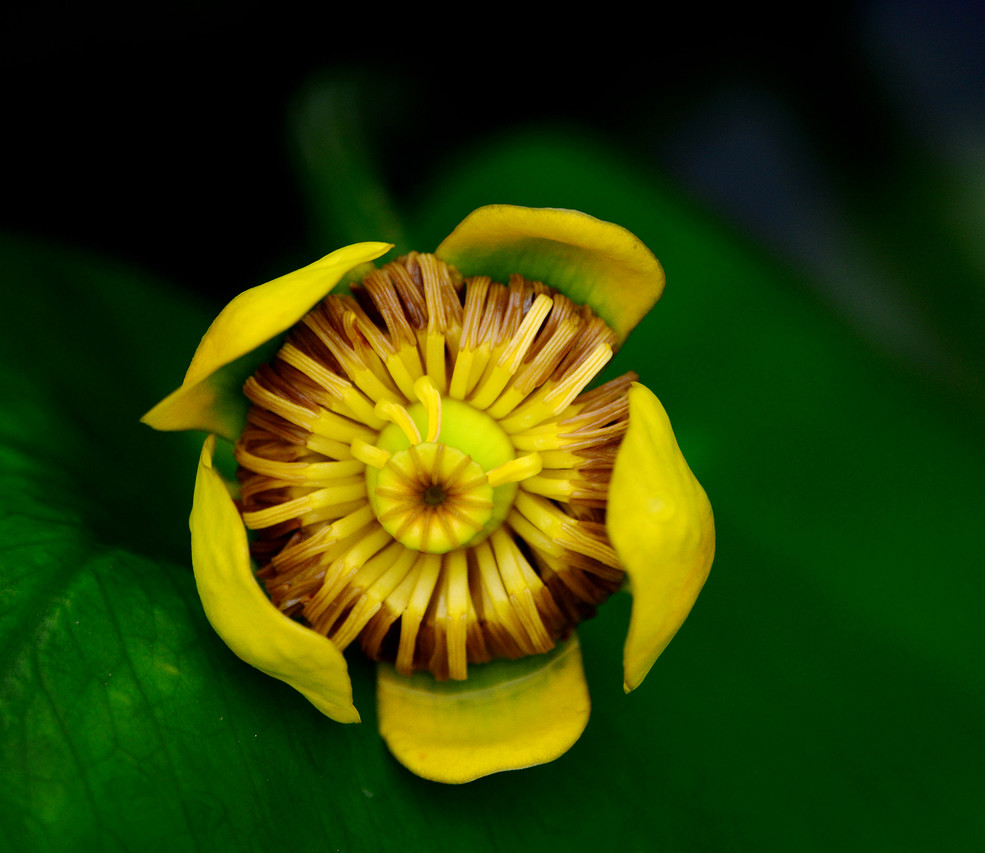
424, 474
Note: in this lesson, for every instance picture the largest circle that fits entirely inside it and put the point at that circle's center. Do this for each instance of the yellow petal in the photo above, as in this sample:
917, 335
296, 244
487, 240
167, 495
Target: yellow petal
209, 397
595, 263
243, 616
507, 715
661, 525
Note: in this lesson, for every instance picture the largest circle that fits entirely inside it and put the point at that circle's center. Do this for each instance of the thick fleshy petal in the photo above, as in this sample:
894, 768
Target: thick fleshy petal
242, 615
595, 263
507, 715
660, 523
209, 397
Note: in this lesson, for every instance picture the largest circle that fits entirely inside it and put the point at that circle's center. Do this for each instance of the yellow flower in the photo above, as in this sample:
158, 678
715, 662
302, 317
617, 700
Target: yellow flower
425, 475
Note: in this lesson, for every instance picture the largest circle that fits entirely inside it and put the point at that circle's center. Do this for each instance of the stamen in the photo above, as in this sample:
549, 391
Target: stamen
426, 571
520, 583
509, 359
298, 473
364, 378
473, 312
346, 490
369, 454
379, 286
395, 413
394, 604
372, 598
537, 369
453, 613
515, 470
444, 316
554, 397
340, 571
518, 346
506, 630
574, 535
355, 404
425, 472
568, 487
431, 398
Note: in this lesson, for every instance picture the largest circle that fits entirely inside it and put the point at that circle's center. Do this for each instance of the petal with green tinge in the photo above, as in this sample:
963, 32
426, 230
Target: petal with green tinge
660, 523
209, 397
593, 262
506, 716
243, 616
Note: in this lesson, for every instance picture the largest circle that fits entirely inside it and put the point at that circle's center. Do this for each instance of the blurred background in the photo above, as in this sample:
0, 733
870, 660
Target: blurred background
813, 180
163, 139
848, 140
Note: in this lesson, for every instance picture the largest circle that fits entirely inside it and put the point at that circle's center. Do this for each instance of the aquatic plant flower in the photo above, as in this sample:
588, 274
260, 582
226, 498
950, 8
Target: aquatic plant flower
425, 475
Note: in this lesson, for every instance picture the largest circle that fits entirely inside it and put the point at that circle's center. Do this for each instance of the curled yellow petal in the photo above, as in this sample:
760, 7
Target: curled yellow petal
209, 397
593, 262
242, 615
661, 525
508, 715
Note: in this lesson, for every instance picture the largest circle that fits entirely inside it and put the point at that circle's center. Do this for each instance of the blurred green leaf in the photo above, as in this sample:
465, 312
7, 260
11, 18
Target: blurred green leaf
825, 693
333, 148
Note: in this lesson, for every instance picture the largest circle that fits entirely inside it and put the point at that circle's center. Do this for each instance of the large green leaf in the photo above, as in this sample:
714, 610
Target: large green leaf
825, 693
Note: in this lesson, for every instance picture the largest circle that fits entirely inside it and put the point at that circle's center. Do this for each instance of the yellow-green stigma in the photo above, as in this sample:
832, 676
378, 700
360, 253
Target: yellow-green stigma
432, 498
425, 472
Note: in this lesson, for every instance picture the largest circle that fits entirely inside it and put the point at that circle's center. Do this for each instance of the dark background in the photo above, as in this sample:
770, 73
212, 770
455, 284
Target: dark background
159, 137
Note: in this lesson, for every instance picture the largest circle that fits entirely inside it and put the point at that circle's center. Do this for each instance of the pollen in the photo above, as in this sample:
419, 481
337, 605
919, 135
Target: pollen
424, 472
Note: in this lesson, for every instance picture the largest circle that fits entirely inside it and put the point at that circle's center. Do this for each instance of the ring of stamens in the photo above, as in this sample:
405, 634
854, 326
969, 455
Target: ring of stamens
424, 472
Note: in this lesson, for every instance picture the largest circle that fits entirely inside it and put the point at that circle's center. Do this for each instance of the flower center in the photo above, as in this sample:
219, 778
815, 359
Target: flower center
449, 490
435, 496
425, 473
431, 497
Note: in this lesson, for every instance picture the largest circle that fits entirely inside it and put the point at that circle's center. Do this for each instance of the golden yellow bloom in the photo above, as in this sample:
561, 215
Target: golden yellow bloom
426, 476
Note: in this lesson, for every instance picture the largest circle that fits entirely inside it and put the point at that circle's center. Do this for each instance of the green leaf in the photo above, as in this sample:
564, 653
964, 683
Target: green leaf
826, 691
333, 152
843, 644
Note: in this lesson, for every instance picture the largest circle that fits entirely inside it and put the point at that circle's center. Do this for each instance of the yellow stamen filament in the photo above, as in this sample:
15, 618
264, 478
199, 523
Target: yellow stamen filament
395, 413
555, 397
508, 361
536, 371
345, 490
342, 569
352, 365
355, 404
453, 613
297, 473
426, 570
475, 301
374, 522
567, 531
520, 583
374, 593
430, 397
515, 470
369, 454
